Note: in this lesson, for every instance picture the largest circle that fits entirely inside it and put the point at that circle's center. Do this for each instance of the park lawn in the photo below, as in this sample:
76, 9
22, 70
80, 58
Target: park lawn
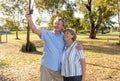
102, 58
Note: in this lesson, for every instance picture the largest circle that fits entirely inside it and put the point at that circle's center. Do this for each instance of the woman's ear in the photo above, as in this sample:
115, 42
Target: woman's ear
72, 37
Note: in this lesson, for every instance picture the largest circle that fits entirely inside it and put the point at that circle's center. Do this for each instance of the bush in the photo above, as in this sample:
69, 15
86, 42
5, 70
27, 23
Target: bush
32, 47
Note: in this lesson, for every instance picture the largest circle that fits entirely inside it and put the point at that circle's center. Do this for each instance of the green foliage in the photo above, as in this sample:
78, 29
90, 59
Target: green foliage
97, 12
68, 19
84, 24
53, 6
32, 47
9, 24
76, 24
14, 10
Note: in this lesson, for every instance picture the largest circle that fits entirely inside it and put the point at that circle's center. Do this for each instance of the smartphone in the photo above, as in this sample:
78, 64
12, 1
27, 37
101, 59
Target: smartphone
31, 11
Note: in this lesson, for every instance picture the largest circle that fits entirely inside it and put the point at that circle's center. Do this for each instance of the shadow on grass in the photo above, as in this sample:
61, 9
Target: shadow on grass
2, 42
111, 49
4, 78
103, 66
98, 49
107, 41
39, 43
35, 52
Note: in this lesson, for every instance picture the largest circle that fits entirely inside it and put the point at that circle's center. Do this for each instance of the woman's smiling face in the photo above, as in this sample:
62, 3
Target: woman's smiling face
67, 36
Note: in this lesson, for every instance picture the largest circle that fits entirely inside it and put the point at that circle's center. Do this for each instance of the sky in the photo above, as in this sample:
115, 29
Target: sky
115, 19
44, 17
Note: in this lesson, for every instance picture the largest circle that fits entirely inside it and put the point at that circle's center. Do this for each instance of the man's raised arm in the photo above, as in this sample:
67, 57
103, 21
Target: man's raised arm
31, 24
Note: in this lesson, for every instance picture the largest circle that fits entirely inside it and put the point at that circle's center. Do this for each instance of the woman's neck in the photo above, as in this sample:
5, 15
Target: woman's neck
68, 43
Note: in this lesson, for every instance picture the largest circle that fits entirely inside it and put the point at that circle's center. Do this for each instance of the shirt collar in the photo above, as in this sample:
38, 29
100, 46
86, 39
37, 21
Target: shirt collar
71, 45
61, 33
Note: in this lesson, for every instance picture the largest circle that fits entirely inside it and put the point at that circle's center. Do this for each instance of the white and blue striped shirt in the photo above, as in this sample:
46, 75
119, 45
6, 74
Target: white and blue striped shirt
71, 61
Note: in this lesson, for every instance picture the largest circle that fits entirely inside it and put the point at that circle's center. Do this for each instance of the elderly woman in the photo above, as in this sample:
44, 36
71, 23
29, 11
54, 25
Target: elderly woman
73, 61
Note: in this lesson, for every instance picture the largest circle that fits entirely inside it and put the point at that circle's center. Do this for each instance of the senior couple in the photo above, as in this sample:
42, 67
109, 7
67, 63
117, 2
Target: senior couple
63, 58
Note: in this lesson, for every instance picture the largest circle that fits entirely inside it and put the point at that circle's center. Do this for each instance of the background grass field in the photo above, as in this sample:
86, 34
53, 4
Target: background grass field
102, 58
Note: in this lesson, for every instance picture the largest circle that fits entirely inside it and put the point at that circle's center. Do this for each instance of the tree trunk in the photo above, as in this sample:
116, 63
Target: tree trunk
6, 36
93, 33
76, 31
17, 32
28, 33
0, 37
102, 30
28, 39
118, 18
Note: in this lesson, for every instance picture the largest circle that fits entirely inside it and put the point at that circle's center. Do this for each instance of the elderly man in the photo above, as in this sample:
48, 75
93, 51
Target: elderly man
53, 49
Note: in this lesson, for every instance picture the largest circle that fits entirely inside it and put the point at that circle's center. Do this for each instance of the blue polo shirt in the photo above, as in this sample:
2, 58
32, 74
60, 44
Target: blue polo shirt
53, 49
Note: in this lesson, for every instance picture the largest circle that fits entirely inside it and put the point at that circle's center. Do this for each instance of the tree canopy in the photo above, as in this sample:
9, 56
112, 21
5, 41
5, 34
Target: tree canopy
97, 12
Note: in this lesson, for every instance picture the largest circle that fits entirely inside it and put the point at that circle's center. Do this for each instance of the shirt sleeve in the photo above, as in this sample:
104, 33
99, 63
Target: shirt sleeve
80, 54
44, 34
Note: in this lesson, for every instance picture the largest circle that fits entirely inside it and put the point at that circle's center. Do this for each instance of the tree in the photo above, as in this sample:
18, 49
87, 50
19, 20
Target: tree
13, 9
67, 17
51, 6
96, 12
66, 13
29, 46
77, 25
84, 25
9, 24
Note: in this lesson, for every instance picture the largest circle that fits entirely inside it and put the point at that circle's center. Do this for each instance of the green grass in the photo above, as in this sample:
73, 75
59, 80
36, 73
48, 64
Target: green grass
102, 58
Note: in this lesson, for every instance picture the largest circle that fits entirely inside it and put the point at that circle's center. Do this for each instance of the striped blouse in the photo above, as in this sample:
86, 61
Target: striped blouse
70, 61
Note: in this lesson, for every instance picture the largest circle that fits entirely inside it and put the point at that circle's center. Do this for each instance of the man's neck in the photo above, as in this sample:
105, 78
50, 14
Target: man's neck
57, 32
